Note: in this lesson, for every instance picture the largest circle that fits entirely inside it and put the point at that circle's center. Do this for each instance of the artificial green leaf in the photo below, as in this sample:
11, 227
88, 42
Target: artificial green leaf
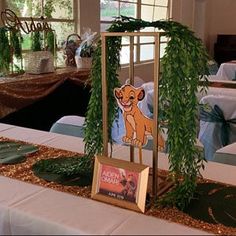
14, 152
12, 158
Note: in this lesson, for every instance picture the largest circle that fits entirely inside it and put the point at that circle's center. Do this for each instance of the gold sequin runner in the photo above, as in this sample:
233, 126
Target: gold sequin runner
23, 172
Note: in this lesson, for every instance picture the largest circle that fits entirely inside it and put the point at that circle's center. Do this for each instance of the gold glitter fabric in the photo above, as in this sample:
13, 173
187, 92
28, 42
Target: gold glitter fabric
23, 172
22, 90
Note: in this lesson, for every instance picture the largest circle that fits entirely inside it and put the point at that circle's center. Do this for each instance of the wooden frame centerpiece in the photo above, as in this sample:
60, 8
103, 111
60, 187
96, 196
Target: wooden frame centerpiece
131, 35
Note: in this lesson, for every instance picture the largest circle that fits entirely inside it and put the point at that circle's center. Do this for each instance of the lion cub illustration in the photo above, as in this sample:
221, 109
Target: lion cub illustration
137, 125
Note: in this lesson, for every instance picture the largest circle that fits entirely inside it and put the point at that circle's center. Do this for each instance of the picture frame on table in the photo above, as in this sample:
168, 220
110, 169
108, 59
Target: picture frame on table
121, 183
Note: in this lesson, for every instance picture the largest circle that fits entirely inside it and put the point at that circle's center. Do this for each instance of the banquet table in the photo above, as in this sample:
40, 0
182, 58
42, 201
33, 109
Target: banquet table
226, 154
217, 87
227, 70
30, 209
18, 91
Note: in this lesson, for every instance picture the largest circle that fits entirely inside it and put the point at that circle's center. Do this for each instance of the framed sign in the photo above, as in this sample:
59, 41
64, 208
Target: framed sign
120, 183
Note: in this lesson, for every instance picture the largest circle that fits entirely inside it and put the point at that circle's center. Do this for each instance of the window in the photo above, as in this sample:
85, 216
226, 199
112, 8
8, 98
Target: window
149, 10
59, 13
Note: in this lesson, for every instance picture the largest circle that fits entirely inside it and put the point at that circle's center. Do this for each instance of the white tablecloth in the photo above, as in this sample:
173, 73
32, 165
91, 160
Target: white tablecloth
30, 209
227, 71
226, 154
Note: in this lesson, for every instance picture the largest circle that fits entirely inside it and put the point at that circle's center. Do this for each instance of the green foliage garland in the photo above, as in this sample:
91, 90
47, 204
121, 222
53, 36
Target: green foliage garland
93, 122
16, 41
179, 83
184, 63
50, 36
5, 55
36, 41
10, 46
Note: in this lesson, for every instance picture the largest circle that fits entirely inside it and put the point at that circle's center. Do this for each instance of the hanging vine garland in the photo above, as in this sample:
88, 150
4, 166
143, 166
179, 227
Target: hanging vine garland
36, 44
5, 55
93, 120
184, 64
16, 40
10, 46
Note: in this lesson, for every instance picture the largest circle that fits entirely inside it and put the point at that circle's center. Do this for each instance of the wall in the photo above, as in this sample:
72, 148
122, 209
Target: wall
206, 18
89, 15
220, 19
186, 12
199, 19
183, 11
191, 13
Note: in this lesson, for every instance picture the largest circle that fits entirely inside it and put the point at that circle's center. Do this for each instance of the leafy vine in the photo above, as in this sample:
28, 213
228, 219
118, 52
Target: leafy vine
5, 55
93, 121
36, 44
50, 38
10, 46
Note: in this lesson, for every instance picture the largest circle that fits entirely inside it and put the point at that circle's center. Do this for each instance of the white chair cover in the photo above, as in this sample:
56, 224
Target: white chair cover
210, 132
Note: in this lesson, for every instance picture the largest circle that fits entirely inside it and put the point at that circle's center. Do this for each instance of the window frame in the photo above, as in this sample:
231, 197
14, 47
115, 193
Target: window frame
138, 44
73, 20
75, 11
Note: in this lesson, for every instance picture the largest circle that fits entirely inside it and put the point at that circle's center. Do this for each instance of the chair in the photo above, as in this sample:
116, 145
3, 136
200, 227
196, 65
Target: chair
217, 123
212, 67
69, 125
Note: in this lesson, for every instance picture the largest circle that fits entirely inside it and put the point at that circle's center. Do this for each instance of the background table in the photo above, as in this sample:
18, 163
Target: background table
36, 101
227, 71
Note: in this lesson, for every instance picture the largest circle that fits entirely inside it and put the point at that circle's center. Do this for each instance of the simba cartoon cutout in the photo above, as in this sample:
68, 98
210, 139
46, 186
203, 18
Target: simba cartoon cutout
137, 125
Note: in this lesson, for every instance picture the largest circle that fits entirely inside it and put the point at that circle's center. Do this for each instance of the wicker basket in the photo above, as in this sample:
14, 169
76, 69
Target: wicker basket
39, 62
70, 49
83, 62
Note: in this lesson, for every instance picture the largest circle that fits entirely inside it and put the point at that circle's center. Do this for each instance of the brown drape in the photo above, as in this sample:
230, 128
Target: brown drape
21, 91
